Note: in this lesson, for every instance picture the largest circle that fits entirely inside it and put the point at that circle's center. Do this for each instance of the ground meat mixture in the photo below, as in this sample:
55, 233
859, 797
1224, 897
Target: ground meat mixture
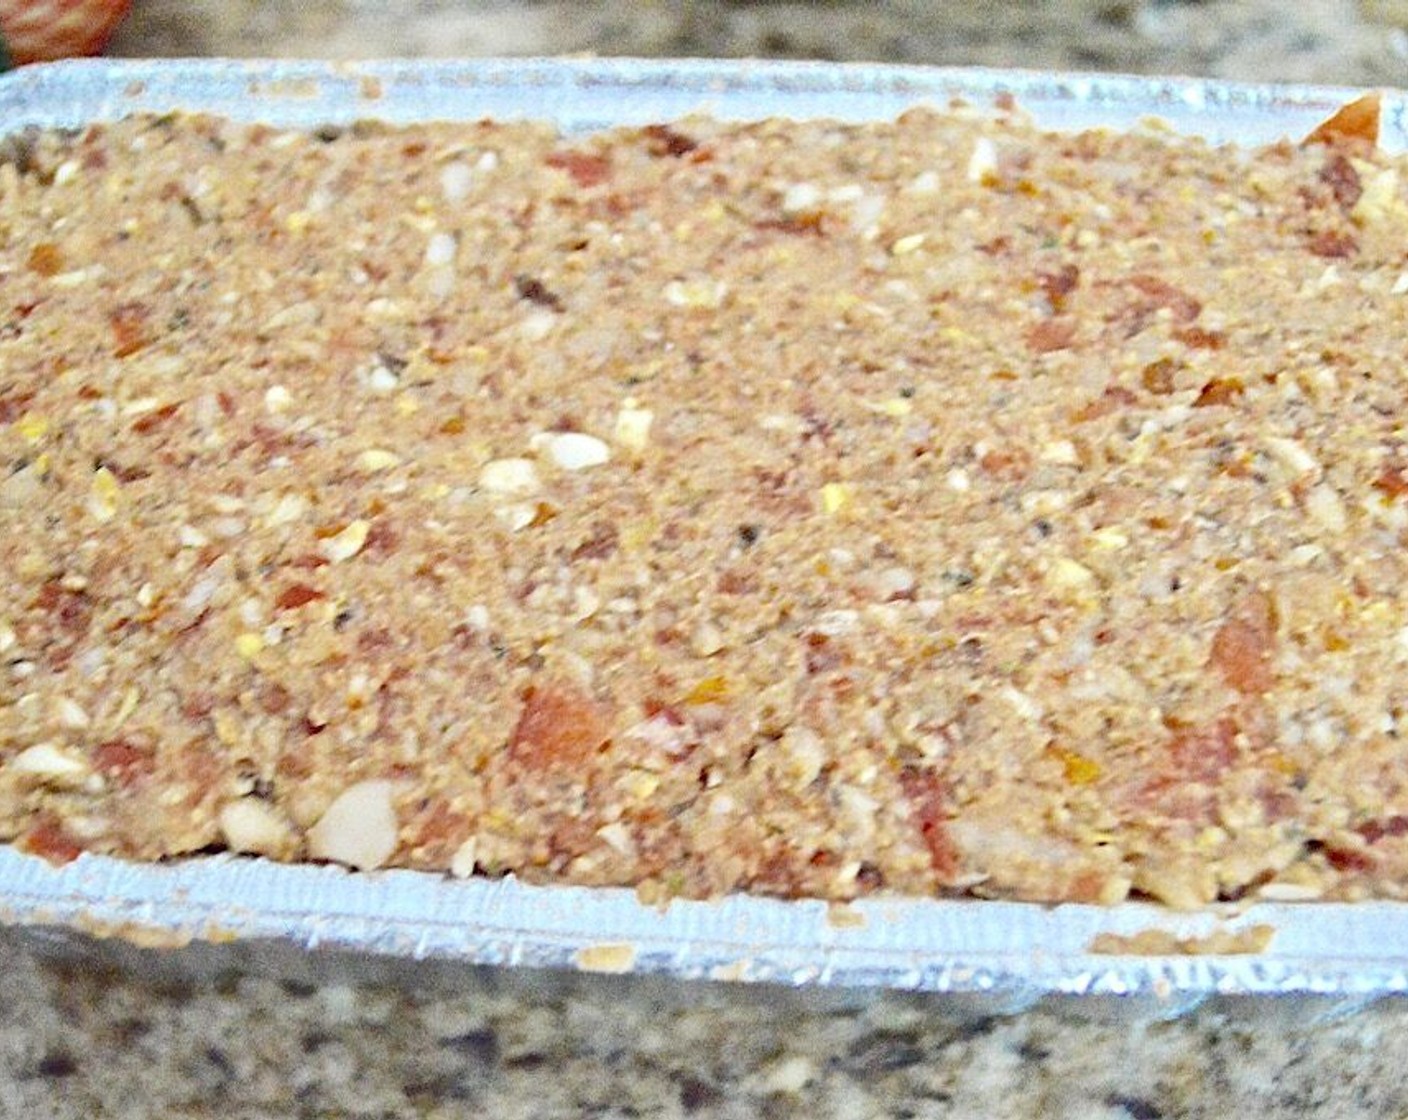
930, 507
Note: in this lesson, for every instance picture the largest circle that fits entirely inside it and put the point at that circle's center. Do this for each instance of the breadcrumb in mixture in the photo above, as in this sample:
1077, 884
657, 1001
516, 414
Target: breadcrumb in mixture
934, 506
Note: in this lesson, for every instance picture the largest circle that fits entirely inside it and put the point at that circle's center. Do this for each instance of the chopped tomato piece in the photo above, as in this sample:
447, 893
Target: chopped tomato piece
1051, 334
1332, 244
297, 595
587, 169
662, 140
1343, 180
1059, 285
928, 797
560, 727
1203, 752
45, 259
129, 329
1243, 646
1114, 398
48, 840
1160, 293
149, 422
122, 761
1220, 391
1392, 481
1158, 376
1358, 120
1200, 338
1348, 860
1374, 831
1007, 464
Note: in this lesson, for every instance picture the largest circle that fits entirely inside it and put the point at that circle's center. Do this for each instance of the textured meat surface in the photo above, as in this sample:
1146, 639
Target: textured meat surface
929, 506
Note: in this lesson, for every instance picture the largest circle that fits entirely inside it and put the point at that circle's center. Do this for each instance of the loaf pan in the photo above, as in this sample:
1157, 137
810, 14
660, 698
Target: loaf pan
1003, 955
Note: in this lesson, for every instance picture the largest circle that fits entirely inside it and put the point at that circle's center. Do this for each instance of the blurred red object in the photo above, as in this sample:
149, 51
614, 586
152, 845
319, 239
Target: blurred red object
41, 30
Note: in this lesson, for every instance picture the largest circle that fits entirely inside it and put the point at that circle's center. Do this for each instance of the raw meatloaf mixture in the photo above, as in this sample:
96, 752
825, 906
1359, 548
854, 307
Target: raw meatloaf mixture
934, 506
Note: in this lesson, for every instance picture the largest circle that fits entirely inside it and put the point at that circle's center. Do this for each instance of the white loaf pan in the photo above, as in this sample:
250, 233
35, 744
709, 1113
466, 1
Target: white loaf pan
997, 956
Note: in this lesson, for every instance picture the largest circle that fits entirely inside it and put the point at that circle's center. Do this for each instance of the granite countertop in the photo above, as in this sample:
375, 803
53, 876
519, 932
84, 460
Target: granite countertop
79, 1042
116, 1042
1332, 41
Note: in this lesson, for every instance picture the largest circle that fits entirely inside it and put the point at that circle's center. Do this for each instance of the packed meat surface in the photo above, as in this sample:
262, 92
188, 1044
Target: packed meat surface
931, 507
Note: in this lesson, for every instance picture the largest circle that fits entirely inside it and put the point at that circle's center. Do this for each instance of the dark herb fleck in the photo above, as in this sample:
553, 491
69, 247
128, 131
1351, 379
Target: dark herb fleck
535, 291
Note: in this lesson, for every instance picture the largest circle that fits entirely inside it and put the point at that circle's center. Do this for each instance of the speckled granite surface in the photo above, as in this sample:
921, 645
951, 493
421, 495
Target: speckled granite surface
92, 1044
84, 1043
1337, 41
